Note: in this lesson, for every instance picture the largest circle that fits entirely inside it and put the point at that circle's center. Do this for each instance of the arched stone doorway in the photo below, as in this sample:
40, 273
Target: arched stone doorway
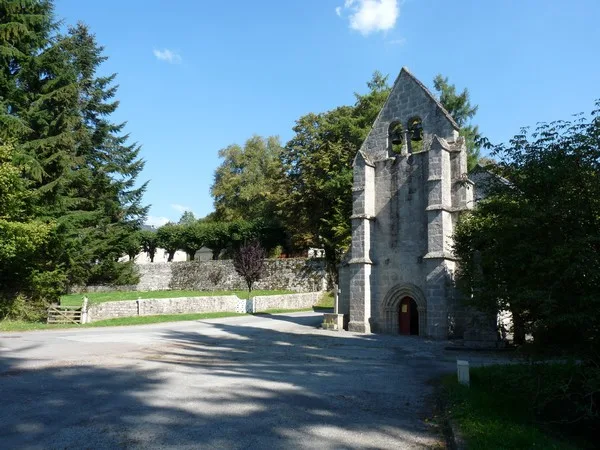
409, 317
416, 309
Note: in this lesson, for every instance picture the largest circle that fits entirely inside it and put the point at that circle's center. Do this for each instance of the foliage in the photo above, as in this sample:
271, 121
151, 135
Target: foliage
149, 242
67, 179
109, 272
533, 247
192, 238
24, 241
20, 307
247, 184
523, 405
187, 218
170, 237
132, 244
318, 165
249, 263
216, 237
460, 108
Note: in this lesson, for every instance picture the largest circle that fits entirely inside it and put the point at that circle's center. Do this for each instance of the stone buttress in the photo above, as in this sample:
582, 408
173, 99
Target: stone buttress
410, 185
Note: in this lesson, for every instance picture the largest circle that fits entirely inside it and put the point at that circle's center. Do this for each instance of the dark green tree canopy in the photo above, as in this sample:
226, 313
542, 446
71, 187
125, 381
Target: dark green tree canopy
79, 172
460, 108
318, 165
533, 246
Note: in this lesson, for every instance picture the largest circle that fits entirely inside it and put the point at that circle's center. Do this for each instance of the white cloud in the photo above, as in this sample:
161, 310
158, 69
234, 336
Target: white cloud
167, 55
368, 16
156, 221
180, 208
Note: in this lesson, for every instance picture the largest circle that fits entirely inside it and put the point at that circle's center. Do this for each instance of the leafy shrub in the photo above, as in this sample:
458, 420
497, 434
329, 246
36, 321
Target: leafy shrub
20, 307
114, 273
562, 396
48, 285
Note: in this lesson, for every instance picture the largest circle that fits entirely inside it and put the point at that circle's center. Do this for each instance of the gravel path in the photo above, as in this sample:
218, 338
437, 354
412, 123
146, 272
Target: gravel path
252, 382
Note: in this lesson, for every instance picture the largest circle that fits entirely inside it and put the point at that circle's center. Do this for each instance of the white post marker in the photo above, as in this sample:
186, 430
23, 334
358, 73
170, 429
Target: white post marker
84, 310
335, 299
462, 368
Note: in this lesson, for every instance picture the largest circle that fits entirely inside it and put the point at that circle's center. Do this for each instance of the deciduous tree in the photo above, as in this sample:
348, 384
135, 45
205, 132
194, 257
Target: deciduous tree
318, 164
149, 243
533, 246
249, 263
460, 108
170, 238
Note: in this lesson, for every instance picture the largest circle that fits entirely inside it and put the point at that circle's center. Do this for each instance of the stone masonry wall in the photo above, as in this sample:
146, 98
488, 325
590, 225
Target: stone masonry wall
290, 301
297, 274
189, 305
300, 275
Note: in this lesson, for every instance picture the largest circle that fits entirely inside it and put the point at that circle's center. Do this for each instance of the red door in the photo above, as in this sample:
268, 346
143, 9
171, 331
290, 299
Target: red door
404, 318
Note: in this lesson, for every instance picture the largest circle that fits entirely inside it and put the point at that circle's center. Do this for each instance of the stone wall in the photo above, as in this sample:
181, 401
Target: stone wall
99, 288
189, 305
300, 275
289, 301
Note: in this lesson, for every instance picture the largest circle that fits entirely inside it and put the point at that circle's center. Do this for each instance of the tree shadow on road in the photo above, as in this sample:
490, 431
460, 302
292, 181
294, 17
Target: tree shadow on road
233, 387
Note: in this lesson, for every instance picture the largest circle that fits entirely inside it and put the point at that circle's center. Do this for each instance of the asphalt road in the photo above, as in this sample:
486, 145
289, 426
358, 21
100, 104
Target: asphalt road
252, 382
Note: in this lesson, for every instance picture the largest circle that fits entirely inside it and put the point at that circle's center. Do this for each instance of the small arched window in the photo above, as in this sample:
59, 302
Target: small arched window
415, 135
395, 138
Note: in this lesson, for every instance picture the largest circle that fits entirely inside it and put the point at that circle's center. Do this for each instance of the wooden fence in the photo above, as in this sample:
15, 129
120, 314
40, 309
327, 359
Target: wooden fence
68, 314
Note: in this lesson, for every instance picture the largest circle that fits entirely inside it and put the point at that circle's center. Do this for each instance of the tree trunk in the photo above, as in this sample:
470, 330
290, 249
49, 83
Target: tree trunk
518, 328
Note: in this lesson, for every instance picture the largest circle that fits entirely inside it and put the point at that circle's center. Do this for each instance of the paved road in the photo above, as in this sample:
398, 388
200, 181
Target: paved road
252, 382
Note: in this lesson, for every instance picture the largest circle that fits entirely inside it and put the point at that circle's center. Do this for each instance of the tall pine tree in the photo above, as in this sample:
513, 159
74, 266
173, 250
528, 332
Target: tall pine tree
109, 166
78, 167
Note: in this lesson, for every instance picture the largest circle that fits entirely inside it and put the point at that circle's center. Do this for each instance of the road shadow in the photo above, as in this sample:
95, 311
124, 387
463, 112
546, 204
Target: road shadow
232, 387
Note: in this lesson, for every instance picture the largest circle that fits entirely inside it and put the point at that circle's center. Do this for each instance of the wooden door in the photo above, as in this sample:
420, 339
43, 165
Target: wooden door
405, 314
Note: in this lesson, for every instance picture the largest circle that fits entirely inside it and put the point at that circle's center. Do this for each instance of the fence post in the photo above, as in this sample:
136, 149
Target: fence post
462, 369
84, 310
335, 299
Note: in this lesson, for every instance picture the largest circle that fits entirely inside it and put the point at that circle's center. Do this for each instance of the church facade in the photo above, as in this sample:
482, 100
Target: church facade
410, 185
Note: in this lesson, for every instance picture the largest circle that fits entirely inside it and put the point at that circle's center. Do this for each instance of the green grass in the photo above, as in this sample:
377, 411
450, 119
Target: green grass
100, 297
280, 311
17, 325
324, 304
491, 416
326, 301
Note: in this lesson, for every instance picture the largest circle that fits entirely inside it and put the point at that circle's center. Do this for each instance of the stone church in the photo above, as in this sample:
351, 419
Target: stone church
410, 185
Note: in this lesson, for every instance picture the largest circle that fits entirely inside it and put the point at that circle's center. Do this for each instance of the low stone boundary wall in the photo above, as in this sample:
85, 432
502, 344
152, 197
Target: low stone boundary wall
294, 274
191, 305
288, 301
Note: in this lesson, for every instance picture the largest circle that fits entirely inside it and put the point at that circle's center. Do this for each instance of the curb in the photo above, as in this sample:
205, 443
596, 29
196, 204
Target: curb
452, 435
455, 437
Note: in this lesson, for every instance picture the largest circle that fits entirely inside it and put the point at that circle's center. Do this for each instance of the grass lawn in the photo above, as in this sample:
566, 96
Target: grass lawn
100, 297
491, 415
324, 304
326, 301
9, 325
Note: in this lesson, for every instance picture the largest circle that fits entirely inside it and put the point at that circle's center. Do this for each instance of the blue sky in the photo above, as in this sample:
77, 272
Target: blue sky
198, 75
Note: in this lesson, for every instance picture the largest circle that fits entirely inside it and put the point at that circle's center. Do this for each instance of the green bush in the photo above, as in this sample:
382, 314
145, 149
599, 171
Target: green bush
20, 307
114, 273
562, 396
48, 285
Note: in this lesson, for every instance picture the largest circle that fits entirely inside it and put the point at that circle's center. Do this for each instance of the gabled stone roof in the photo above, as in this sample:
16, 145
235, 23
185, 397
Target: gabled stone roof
428, 92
